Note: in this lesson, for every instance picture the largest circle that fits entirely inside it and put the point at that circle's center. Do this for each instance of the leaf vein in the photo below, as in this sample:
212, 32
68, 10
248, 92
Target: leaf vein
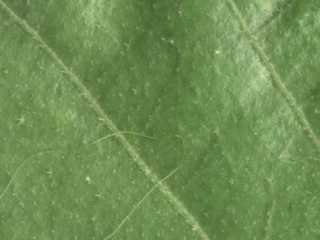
165, 189
275, 78
280, 10
15, 173
138, 204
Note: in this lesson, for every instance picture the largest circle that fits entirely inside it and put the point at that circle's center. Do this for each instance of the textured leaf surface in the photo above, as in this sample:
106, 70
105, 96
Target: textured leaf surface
227, 93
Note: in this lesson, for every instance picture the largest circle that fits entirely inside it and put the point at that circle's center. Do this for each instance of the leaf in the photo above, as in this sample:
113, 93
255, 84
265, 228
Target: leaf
159, 119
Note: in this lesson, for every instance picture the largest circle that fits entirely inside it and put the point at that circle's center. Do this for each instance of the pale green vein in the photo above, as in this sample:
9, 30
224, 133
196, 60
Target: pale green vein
123, 132
268, 227
138, 204
18, 169
272, 185
178, 205
275, 77
280, 9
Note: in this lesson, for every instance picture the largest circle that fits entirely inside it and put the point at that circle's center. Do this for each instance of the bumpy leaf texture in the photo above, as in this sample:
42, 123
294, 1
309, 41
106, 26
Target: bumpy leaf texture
159, 119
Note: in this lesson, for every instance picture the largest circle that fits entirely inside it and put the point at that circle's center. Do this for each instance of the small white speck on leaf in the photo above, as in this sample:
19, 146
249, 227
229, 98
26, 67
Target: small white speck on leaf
217, 131
98, 195
194, 228
49, 172
21, 120
231, 181
88, 180
135, 91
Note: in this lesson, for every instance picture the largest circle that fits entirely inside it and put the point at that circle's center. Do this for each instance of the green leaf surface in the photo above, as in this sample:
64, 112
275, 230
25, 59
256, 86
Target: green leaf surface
159, 119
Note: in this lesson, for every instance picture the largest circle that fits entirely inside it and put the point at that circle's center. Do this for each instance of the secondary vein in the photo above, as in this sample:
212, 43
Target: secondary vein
275, 77
177, 203
138, 204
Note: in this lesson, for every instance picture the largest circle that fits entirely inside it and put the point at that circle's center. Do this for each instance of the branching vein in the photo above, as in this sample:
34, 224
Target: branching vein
138, 204
275, 77
18, 169
178, 205
123, 132
280, 9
